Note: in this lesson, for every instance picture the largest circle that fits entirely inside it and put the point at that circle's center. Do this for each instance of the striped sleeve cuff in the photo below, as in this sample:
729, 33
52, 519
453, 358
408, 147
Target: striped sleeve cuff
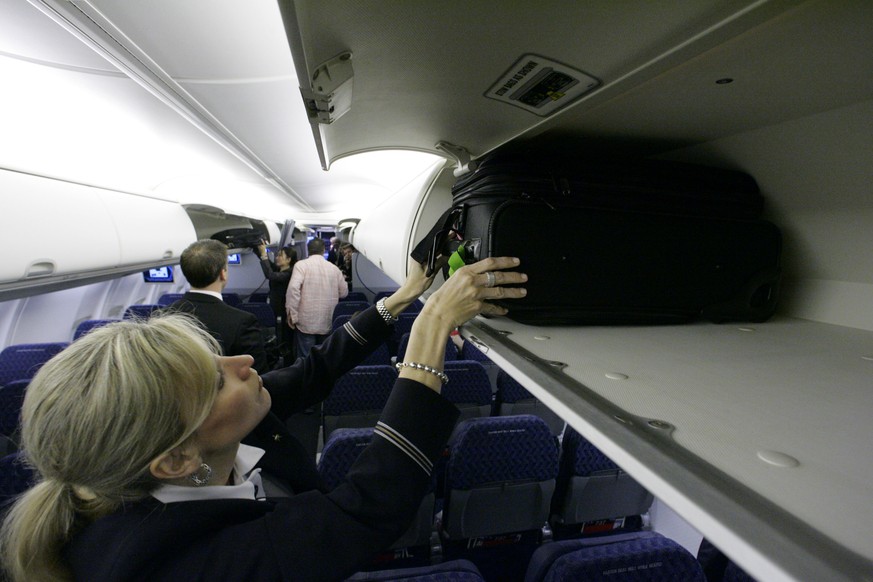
350, 329
405, 445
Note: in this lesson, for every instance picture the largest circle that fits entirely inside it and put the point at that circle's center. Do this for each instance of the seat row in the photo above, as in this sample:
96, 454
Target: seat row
501, 480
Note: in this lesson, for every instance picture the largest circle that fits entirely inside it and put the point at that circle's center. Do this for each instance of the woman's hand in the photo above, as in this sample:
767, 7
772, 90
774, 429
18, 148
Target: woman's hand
468, 292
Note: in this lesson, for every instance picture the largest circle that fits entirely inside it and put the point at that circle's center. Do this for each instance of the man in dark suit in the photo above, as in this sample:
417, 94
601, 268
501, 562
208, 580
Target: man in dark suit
204, 264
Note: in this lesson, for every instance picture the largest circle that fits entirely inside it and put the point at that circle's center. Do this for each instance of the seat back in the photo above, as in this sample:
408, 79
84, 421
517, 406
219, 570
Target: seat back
593, 494
635, 557
264, 313
401, 326
358, 296
21, 361
349, 308
258, 297
340, 452
452, 571
141, 311
340, 321
11, 399
16, 477
358, 397
469, 351
451, 350
232, 299
499, 477
168, 298
469, 388
378, 357
512, 398
88, 325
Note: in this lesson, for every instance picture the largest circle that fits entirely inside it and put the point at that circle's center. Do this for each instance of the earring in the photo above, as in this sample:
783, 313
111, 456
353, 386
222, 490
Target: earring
207, 475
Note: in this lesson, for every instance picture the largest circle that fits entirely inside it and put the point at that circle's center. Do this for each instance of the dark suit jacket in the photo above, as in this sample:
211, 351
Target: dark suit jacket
238, 331
312, 535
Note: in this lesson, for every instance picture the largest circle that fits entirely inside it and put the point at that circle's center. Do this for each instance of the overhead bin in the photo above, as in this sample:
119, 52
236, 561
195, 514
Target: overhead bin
83, 229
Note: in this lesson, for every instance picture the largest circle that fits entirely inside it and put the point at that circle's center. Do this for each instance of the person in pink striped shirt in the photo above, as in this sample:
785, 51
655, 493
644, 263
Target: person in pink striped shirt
315, 288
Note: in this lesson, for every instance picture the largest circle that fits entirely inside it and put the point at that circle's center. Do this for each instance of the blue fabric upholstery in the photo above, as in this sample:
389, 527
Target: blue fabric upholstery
638, 557
142, 311
378, 357
340, 321
512, 398
355, 296
21, 361
469, 388
469, 351
349, 308
11, 398
453, 571
88, 325
232, 299
593, 495
401, 326
358, 397
16, 477
501, 449
499, 480
264, 313
168, 298
340, 451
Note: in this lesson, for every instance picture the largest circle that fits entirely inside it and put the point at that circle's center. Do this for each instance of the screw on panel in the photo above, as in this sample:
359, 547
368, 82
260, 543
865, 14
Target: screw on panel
660, 424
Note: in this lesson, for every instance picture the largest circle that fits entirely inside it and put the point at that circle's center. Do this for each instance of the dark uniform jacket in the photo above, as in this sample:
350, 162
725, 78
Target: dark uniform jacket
312, 535
238, 331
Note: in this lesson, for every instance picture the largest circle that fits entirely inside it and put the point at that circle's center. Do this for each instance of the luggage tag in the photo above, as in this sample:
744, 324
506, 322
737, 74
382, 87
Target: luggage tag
443, 240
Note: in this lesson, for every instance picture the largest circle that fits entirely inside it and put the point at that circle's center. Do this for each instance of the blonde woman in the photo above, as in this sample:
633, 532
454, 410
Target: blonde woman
136, 431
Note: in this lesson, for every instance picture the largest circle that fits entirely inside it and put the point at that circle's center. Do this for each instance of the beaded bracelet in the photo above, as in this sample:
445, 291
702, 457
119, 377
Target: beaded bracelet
383, 311
441, 375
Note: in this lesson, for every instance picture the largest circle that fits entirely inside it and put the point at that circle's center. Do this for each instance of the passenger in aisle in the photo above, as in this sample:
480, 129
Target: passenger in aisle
136, 432
279, 275
315, 288
204, 264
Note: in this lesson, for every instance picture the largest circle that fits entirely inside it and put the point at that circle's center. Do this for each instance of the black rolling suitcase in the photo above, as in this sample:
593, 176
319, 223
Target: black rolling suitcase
623, 243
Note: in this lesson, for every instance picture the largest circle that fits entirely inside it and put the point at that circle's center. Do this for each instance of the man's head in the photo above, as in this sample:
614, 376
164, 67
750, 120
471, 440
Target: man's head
334, 242
315, 247
205, 262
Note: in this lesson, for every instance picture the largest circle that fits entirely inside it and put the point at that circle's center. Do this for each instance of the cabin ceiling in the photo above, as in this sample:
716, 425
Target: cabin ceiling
421, 69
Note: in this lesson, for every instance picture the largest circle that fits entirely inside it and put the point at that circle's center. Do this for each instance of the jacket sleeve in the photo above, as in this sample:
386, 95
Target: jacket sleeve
309, 380
292, 295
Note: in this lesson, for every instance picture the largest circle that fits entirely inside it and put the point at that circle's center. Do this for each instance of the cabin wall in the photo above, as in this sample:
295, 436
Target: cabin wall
816, 175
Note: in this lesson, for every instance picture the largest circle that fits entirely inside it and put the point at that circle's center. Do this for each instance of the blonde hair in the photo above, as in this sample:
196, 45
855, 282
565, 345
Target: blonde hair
93, 419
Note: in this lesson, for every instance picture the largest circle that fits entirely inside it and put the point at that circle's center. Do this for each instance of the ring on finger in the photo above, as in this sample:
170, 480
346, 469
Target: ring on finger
490, 279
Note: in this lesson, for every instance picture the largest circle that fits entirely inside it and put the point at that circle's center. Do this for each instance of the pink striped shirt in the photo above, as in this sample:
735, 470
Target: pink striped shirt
315, 288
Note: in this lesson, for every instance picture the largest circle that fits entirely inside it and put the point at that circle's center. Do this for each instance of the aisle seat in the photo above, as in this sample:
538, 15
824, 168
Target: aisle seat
21, 361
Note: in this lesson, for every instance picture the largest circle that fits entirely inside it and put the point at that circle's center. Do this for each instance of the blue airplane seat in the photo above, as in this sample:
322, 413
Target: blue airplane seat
499, 479
90, 324
401, 326
339, 453
264, 313
631, 557
21, 361
451, 349
258, 297
141, 311
453, 571
378, 357
349, 308
168, 298
358, 296
512, 398
469, 388
340, 321
232, 299
11, 399
469, 351
593, 495
16, 477
383, 295
358, 397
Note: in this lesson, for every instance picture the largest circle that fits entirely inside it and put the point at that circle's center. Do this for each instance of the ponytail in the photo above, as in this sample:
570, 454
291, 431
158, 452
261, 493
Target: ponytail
93, 419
